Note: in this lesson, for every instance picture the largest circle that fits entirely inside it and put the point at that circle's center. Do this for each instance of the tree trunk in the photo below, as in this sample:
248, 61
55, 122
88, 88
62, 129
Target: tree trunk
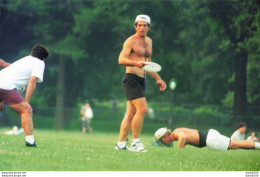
59, 112
240, 99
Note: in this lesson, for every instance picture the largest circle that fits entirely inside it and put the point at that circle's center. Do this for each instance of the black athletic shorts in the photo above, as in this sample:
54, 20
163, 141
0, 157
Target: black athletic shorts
203, 136
134, 86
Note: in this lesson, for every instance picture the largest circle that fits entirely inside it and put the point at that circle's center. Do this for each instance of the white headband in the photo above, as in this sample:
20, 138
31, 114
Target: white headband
145, 18
160, 133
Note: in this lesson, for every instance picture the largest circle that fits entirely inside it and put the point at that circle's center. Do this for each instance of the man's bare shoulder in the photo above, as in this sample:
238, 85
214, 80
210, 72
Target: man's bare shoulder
180, 133
185, 130
180, 129
130, 41
134, 38
149, 39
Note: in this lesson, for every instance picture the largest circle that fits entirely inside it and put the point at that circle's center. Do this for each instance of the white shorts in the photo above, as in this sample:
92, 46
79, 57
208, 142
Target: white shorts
216, 141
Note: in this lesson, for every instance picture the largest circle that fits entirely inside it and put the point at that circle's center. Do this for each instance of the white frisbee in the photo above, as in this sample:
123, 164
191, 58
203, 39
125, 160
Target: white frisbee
152, 67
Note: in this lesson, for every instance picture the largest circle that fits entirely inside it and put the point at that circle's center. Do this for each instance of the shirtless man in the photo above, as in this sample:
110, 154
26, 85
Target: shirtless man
210, 138
137, 49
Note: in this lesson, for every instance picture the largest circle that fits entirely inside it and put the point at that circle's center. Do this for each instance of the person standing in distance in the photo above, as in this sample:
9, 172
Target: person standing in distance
87, 115
137, 50
239, 134
24, 73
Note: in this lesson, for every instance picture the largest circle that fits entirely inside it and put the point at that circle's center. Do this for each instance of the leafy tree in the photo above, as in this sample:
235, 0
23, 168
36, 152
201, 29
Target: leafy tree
202, 44
237, 19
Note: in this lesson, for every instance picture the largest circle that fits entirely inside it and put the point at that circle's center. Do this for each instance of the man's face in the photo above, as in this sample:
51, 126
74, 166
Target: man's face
253, 134
242, 129
142, 28
166, 139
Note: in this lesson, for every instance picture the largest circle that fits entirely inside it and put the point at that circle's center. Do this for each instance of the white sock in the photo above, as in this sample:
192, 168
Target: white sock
29, 139
121, 144
257, 145
135, 140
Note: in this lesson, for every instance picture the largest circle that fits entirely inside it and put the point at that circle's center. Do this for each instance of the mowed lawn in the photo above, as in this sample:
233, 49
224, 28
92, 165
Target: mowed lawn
72, 151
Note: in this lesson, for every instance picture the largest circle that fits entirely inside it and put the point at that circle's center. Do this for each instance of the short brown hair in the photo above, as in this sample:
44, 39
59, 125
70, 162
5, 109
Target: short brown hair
241, 124
147, 24
40, 51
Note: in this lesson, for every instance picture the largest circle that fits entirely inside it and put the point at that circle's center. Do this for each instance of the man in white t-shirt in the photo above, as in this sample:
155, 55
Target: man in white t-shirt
24, 73
239, 134
87, 115
253, 137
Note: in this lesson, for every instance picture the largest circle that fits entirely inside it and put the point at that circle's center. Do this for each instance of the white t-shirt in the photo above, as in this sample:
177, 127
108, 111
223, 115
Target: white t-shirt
88, 113
251, 139
237, 136
18, 74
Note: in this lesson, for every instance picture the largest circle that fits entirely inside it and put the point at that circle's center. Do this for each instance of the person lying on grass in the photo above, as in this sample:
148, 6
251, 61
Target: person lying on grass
210, 138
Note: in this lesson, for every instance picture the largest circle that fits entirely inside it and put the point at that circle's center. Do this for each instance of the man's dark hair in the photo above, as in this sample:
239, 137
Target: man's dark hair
147, 24
241, 124
40, 51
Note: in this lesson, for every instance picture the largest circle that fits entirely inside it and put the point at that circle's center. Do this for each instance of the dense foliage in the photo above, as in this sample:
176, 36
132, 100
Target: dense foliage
211, 48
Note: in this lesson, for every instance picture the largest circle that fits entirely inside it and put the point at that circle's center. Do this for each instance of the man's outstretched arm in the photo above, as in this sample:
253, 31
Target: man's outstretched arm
3, 63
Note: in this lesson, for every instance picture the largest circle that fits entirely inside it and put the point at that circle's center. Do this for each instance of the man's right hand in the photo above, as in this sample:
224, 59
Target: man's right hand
141, 64
29, 108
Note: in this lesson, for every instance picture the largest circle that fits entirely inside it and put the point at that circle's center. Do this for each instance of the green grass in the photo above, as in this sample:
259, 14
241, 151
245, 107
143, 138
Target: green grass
72, 151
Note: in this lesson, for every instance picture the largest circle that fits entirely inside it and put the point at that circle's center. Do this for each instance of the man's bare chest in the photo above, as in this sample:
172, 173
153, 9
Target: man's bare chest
142, 49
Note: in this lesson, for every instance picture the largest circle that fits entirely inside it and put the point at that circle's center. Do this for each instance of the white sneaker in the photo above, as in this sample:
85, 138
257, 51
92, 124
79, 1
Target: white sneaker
124, 148
138, 147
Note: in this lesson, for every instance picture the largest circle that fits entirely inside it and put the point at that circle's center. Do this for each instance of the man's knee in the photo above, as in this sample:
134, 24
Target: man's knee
233, 145
142, 110
26, 112
130, 115
23, 108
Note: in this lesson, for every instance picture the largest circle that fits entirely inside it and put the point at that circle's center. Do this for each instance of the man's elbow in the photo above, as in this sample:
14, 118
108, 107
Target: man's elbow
120, 61
33, 80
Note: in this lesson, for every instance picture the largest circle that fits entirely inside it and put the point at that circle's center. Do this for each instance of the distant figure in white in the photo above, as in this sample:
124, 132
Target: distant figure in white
151, 113
253, 137
87, 115
14, 131
239, 134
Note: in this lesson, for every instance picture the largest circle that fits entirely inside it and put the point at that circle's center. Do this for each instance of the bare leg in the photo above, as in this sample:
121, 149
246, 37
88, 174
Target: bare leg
90, 129
26, 117
241, 145
83, 130
137, 123
127, 122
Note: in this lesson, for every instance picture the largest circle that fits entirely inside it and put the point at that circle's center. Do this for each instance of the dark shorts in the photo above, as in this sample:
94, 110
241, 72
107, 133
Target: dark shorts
203, 136
134, 86
83, 124
11, 97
